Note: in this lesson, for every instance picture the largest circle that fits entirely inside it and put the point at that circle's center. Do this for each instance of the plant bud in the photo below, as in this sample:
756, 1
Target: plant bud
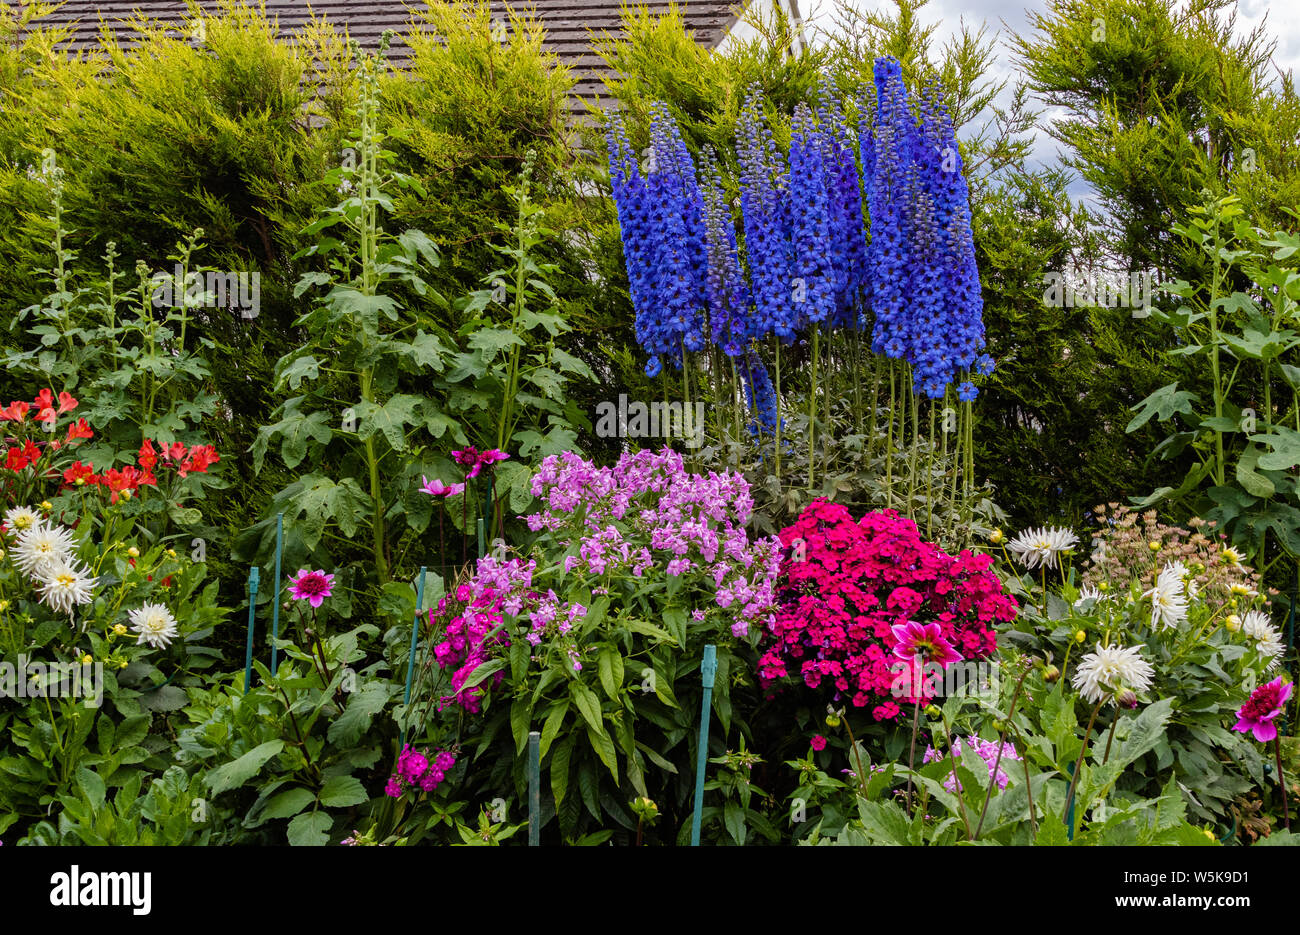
1153, 545
1126, 699
996, 536
932, 711
832, 721
133, 552
1080, 636
1233, 623
1051, 674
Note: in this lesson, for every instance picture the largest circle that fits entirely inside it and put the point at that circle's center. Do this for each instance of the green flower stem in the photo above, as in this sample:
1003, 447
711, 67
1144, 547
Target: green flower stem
1074, 780
812, 409
1002, 739
1281, 781
961, 793
778, 408
911, 754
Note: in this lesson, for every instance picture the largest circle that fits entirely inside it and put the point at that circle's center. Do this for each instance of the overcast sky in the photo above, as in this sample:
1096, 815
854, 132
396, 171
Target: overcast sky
1004, 17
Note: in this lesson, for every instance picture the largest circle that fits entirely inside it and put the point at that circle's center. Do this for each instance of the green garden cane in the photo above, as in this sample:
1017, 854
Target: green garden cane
708, 669
279, 588
534, 788
252, 613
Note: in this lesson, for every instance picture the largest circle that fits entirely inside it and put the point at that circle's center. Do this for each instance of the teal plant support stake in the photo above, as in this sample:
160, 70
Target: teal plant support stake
252, 613
279, 587
410, 661
480, 537
708, 669
534, 788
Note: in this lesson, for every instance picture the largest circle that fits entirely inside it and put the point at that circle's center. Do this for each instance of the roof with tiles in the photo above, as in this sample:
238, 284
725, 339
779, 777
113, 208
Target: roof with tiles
570, 25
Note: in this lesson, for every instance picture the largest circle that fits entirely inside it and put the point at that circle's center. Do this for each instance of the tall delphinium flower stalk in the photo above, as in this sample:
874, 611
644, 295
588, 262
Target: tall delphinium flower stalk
661, 218
766, 215
729, 294
813, 285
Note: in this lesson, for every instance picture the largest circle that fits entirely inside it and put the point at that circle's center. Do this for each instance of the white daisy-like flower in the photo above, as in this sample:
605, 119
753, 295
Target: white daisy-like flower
1188, 579
1168, 598
39, 548
154, 623
1037, 547
1089, 593
19, 518
1241, 589
1110, 670
1268, 641
66, 584
1232, 557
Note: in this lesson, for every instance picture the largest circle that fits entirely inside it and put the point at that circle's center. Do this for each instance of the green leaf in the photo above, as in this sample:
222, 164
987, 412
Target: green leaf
240, 771
1051, 831
363, 705
342, 791
288, 803
1253, 483
610, 665
604, 747
485, 670
310, 829
560, 769
390, 419
1164, 404
91, 786
885, 822
551, 727
587, 703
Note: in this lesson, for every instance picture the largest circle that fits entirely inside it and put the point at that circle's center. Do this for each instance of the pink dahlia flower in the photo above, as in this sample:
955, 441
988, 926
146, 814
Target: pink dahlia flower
311, 586
1258, 714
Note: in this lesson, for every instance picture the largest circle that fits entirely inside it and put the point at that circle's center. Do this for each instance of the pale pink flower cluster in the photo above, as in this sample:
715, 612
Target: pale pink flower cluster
647, 511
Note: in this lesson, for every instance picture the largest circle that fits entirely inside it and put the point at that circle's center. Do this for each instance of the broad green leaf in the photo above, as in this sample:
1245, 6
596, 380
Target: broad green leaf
610, 666
239, 771
288, 803
587, 703
310, 829
342, 791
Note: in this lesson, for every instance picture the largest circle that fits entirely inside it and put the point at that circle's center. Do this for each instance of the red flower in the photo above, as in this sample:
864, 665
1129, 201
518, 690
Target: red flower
852, 591
80, 472
202, 457
147, 457
128, 478
15, 460
173, 452
14, 412
80, 429
66, 403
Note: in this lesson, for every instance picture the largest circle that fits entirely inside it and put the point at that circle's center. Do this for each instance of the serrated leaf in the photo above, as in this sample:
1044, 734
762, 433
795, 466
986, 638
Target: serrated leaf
310, 829
239, 771
342, 791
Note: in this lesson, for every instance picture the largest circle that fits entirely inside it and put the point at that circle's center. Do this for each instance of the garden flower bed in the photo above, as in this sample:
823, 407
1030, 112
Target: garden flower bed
642, 489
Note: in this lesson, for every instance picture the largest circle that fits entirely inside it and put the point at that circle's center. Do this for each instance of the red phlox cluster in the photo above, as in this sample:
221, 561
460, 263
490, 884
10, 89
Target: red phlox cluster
847, 583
